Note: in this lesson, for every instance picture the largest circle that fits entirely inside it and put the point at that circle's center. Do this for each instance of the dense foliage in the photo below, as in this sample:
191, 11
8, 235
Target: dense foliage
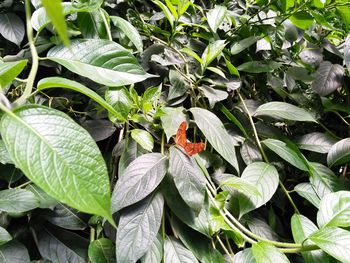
93, 93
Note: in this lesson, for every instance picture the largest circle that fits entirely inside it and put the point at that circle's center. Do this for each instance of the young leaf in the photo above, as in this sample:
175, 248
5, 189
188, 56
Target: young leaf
215, 17
75, 174
138, 228
10, 70
102, 250
102, 61
316, 142
166, 11
155, 253
334, 210
175, 252
214, 131
188, 178
12, 28
328, 78
139, 179
119, 98
301, 19
15, 252
144, 138
307, 191
265, 177
283, 110
339, 153
241, 185
265, 253
212, 51
241, 45
259, 66
334, 241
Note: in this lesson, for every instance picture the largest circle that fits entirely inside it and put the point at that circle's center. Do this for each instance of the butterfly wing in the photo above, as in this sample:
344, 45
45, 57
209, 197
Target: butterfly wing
180, 138
193, 148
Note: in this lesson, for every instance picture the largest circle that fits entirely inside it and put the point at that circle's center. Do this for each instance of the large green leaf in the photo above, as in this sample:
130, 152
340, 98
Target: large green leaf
334, 241
45, 201
307, 191
59, 156
214, 131
265, 177
138, 180
212, 51
12, 28
54, 11
14, 252
301, 19
216, 16
138, 228
171, 120
119, 98
175, 252
10, 70
58, 82
316, 142
328, 78
259, 66
240, 184
155, 253
17, 200
188, 178
4, 155
339, 153
265, 253
334, 210
102, 251
241, 45
302, 227
92, 24
289, 152
244, 256
283, 110
102, 61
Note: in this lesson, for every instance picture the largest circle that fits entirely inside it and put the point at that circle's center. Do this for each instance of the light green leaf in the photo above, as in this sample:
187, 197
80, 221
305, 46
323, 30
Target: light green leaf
12, 28
17, 201
334, 210
45, 201
58, 82
175, 252
4, 236
214, 131
10, 70
334, 241
302, 19
265, 253
119, 98
171, 120
138, 180
166, 11
102, 250
182, 6
212, 51
191, 53
217, 71
242, 185
283, 110
216, 16
289, 152
265, 177
171, 8
307, 191
144, 138
102, 61
241, 45
259, 66
64, 160
129, 30
138, 228
339, 153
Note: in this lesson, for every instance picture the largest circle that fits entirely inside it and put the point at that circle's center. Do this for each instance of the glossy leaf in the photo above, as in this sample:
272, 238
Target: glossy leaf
244, 256
14, 252
316, 142
91, 24
212, 51
265, 177
171, 120
144, 138
138, 228
120, 99
259, 66
339, 153
58, 82
102, 61
214, 131
175, 252
307, 191
283, 110
243, 44
155, 253
102, 251
75, 174
261, 228
12, 28
301, 19
265, 253
17, 200
328, 78
239, 184
138, 180
4, 155
188, 178
4, 236
216, 16
166, 11
10, 70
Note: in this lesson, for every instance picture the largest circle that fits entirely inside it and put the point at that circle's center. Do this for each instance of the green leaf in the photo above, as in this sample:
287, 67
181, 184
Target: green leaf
212, 51
191, 53
102, 250
241, 45
119, 98
265, 253
129, 30
144, 138
182, 6
339, 153
283, 110
92, 25
261, 228
289, 152
216, 16
4, 155
214, 131
328, 78
149, 97
287, 4
166, 11
259, 66
307, 191
171, 120
175, 252
10, 70
188, 178
316, 142
334, 241
139, 179
265, 177
102, 61
244, 256
14, 252
12, 28
58, 82
54, 11
334, 210
214, 95
347, 52
344, 12
302, 19
179, 85
45, 201
4, 236
241, 185
138, 228
155, 253
64, 160
17, 201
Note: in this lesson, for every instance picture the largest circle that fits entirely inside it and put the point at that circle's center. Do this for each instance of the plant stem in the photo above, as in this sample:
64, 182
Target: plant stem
298, 250
224, 248
35, 59
162, 143
108, 30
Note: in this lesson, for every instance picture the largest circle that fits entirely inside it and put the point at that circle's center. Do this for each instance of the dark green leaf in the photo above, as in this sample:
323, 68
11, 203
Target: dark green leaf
328, 78
17, 200
119, 98
102, 251
130, 153
241, 45
14, 252
179, 85
10, 70
316, 142
12, 28
214, 95
171, 120
91, 24
259, 66
4, 237
175, 252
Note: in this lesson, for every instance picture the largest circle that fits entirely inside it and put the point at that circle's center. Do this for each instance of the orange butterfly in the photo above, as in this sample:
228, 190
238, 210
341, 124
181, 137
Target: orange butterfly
190, 148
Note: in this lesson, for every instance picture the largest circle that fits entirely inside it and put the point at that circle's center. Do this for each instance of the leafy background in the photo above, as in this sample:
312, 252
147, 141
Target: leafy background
93, 92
